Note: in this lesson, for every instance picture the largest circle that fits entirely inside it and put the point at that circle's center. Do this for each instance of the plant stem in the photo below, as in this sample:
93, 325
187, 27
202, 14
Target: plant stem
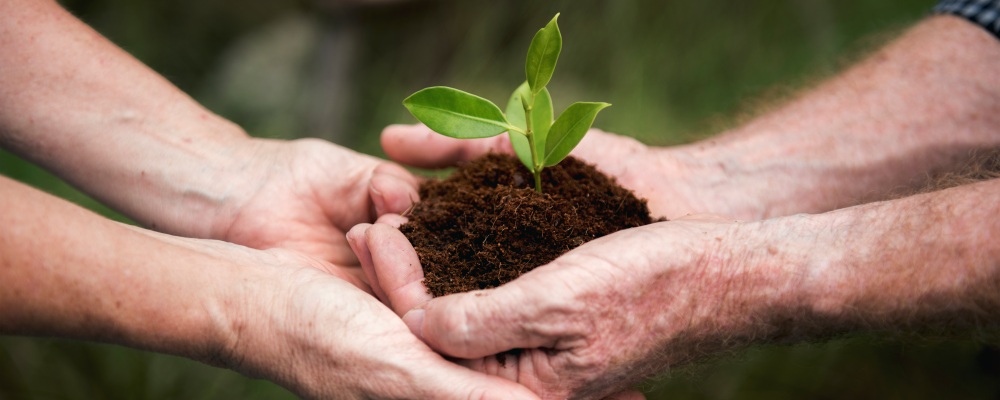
531, 144
538, 178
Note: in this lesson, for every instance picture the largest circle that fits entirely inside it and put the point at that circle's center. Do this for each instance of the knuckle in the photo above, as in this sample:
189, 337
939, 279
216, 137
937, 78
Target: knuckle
546, 311
590, 359
454, 326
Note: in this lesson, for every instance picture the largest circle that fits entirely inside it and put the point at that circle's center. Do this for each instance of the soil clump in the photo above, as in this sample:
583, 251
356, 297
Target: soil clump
485, 225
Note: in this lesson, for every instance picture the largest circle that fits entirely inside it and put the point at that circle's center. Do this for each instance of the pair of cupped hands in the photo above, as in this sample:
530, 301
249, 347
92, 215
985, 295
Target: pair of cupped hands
358, 323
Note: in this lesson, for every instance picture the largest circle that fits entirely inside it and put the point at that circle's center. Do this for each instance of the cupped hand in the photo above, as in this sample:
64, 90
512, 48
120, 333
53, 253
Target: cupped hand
305, 325
676, 181
595, 321
305, 195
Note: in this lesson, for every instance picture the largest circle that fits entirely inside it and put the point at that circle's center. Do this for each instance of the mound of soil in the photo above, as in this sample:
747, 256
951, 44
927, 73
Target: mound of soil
485, 225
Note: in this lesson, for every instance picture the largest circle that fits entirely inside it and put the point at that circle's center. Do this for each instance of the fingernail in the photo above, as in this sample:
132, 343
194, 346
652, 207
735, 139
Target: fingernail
392, 220
414, 319
377, 199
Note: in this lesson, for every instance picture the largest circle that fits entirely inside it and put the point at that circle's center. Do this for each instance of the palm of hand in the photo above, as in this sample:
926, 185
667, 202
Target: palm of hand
305, 195
323, 337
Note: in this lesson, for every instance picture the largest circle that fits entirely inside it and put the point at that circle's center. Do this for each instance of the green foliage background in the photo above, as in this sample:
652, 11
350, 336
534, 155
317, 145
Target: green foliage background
675, 70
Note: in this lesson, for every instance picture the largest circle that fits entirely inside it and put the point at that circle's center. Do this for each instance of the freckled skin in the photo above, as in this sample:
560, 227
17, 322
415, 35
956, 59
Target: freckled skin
628, 305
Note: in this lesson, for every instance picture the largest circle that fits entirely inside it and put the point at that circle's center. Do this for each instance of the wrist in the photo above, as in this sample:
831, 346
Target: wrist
877, 266
283, 305
239, 319
195, 182
766, 277
204, 196
244, 298
219, 283
732, 287
170, 174
715, 179
924, 262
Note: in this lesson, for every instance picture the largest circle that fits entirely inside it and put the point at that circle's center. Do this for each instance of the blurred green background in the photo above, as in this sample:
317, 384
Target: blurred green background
675, 71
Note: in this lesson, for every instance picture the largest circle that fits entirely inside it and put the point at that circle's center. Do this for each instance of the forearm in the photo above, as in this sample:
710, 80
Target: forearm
81, 107
918, 106
69, 273
922, 264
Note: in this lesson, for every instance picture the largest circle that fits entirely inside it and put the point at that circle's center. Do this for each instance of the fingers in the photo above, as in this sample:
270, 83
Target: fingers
418, 146
461, 383
397, 267
399, 172
359, 243
481, 323
356, 238
393, 220
392, 189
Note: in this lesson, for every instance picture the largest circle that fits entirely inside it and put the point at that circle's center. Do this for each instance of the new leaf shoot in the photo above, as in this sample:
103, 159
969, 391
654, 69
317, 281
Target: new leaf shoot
538, 141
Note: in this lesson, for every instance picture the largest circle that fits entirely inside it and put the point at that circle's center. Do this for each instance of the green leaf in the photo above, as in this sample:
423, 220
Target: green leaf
515, 114
569, 129
542, 56
455, 113
541, 120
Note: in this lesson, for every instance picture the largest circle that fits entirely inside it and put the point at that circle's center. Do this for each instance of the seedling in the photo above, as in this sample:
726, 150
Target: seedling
538, 141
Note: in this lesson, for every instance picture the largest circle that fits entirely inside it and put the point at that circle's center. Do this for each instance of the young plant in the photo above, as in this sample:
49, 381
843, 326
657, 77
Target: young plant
538, 141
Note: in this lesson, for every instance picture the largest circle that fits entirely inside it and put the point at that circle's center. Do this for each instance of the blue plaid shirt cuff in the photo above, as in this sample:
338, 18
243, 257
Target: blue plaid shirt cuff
985, 13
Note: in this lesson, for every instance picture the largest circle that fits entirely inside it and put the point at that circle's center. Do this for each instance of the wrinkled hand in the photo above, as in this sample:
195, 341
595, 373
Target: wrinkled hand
596, 320
306, 325
674, 180
305, 195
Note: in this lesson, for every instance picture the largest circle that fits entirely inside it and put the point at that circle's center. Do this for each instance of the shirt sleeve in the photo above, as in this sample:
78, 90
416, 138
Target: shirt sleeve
985, 13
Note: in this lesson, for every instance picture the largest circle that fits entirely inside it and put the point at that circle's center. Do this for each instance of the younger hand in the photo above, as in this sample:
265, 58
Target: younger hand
304, 195
310, 329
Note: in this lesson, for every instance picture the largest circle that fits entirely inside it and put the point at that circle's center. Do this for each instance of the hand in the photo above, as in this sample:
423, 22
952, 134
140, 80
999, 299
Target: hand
596, 320
304, 195
126, 136
292, 319
677, 181
309, 328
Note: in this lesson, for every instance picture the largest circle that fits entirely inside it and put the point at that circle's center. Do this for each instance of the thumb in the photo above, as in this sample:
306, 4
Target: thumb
419, 146
486, 322
392, 189
396, 265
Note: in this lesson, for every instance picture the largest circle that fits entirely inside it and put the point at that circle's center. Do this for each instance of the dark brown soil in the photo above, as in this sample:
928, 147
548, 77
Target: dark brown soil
485, 225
